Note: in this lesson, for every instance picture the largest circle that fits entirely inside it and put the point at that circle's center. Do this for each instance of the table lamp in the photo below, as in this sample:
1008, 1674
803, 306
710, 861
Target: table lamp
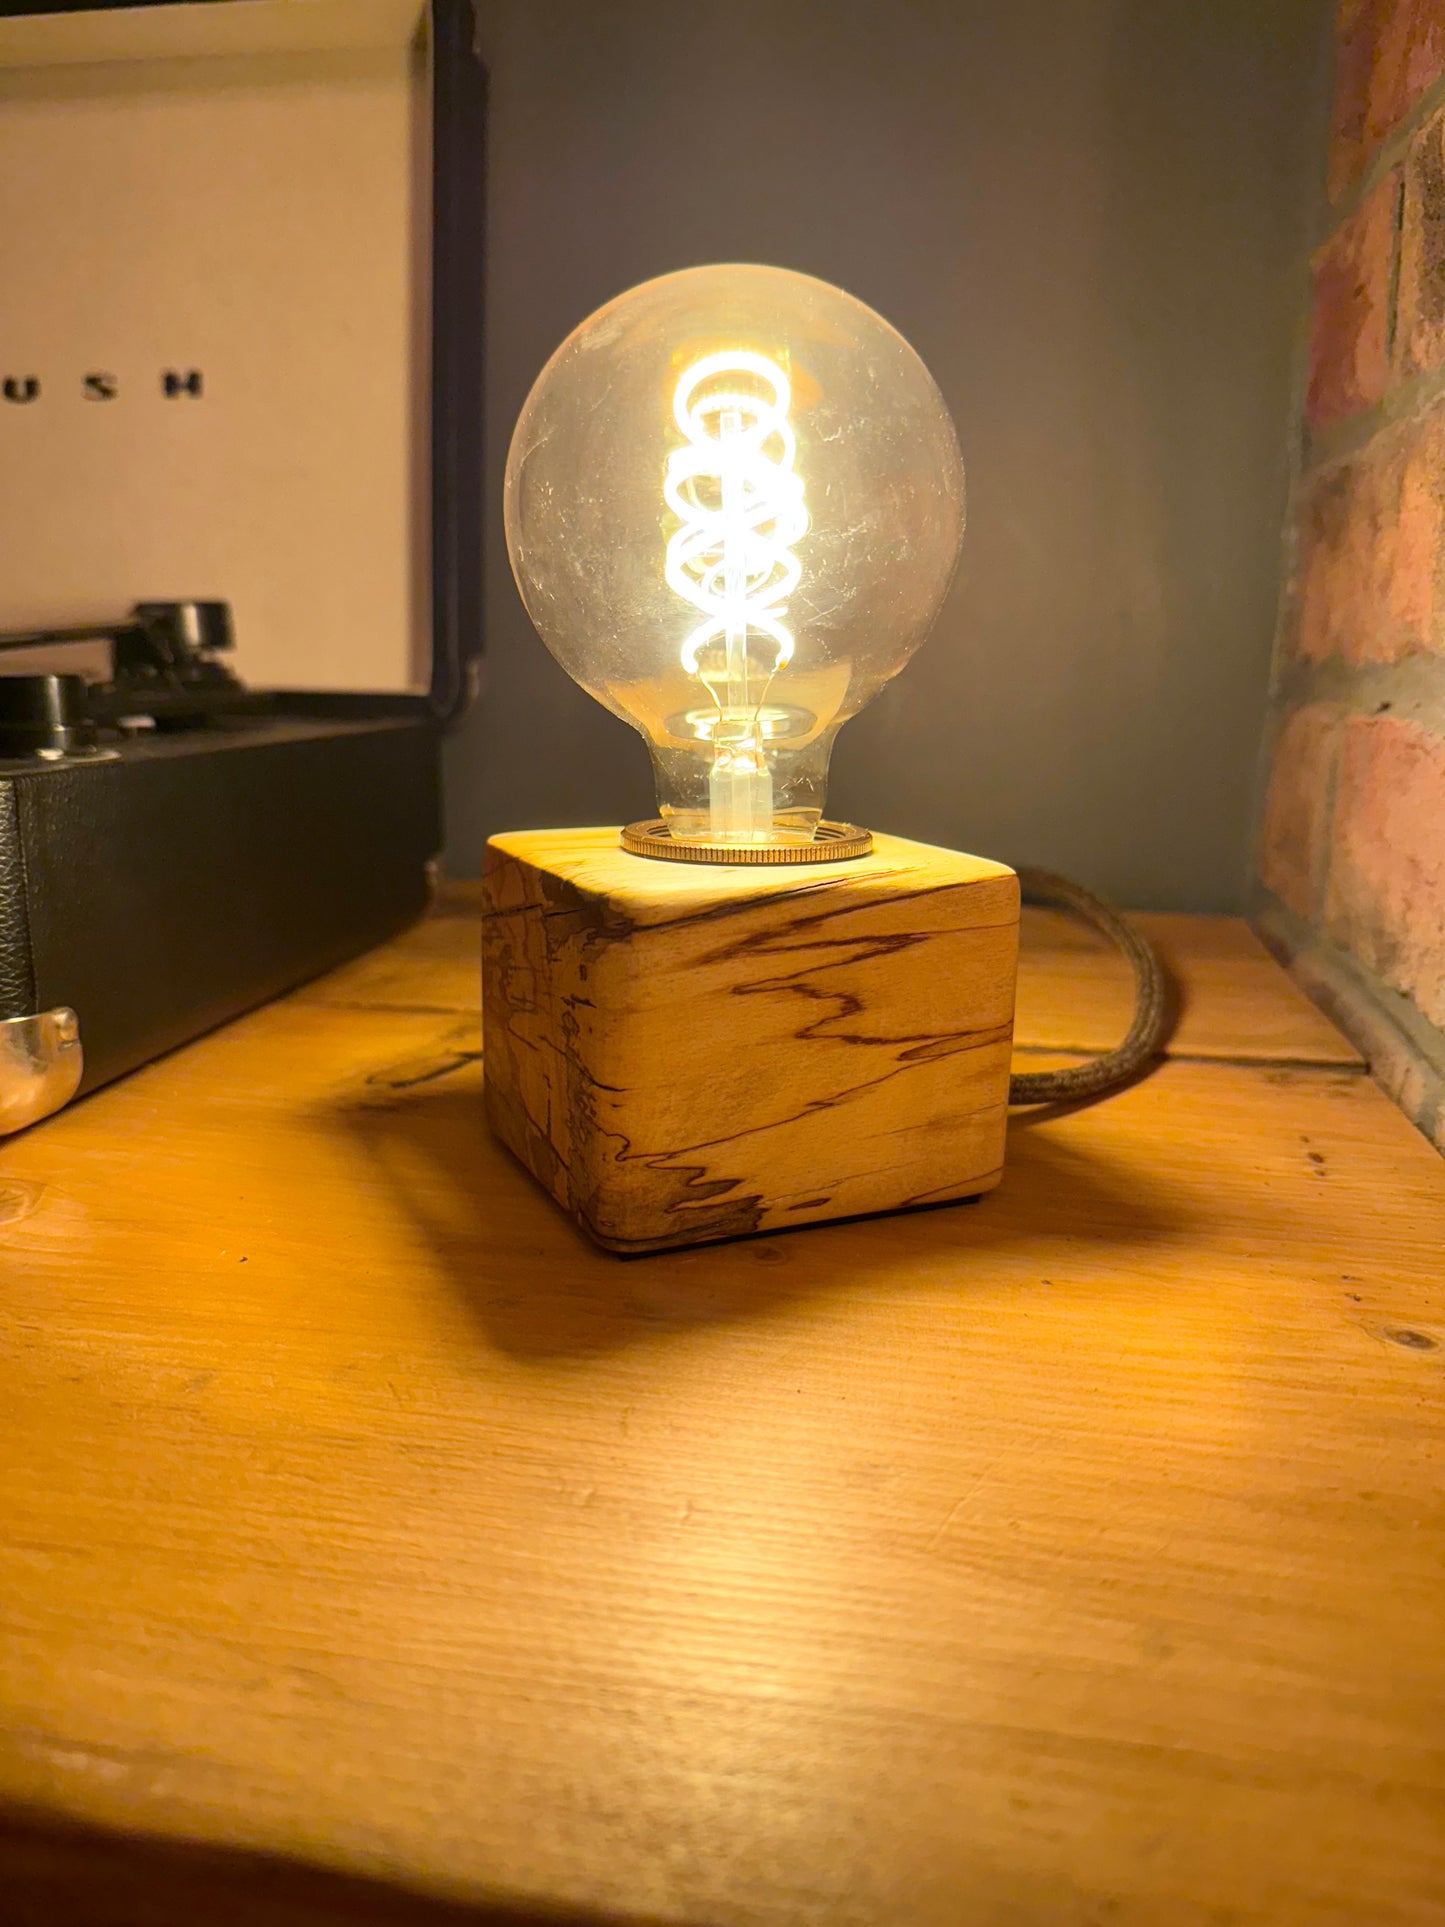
734, 505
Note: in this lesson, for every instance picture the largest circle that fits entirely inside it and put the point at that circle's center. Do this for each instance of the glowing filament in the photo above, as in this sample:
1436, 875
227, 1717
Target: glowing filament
733, 488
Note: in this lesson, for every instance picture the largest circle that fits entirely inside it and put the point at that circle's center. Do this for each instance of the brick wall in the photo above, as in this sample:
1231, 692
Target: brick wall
1352, 852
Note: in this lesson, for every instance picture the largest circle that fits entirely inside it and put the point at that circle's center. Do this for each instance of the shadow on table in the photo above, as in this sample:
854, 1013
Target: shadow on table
56, 1874
538, 1288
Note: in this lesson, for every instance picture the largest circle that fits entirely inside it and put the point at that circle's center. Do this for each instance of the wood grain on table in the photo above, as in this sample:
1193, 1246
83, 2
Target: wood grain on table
1074, 1556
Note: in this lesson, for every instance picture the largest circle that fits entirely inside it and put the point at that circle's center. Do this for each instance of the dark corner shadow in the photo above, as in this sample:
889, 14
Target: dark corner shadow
537, 1288
55, 1873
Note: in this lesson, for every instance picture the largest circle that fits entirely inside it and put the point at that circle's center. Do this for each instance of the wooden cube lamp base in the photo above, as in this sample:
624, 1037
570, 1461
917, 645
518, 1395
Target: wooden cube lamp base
681, 1052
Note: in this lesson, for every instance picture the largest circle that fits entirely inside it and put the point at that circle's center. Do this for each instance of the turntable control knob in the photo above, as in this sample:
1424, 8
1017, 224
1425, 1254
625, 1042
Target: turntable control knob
44, 716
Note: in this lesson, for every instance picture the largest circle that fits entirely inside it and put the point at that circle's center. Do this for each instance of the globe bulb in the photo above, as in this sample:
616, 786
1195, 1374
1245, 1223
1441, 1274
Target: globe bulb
734, 504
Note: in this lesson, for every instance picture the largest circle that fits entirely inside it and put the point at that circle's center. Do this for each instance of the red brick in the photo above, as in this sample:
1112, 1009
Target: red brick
1343, 525
1350, 344
1413, 553
1420, 336
1297, 808
1388, 53
1371, 568
1386, 895
1357, 29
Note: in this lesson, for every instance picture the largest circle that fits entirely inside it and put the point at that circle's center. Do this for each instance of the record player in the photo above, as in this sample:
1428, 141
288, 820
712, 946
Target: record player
240, 363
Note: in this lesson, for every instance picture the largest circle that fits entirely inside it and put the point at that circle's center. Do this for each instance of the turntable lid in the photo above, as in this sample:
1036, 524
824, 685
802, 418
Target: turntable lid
218, 343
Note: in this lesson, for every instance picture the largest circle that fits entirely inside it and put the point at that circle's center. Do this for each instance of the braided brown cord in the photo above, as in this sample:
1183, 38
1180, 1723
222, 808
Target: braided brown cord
1153, 1016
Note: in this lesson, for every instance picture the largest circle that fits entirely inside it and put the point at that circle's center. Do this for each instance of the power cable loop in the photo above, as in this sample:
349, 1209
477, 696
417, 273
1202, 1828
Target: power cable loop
1153, 1001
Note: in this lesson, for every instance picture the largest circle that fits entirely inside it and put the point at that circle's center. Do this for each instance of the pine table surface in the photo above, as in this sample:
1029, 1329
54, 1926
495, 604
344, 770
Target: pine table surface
372, 1548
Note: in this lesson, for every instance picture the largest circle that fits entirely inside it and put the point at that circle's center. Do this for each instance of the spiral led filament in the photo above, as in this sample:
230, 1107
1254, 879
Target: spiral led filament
740, 504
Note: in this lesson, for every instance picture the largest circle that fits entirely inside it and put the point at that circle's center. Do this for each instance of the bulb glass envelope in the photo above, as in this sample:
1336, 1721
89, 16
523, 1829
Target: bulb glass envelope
734, 504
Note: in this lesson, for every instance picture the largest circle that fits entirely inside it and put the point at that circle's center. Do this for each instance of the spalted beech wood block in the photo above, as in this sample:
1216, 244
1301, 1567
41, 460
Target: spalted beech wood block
684, 1052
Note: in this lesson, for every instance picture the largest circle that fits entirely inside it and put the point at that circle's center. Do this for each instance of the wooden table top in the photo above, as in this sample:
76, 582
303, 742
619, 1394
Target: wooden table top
1075, 1556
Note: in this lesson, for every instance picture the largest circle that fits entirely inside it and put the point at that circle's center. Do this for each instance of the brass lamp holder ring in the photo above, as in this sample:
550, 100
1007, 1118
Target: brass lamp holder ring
832, 843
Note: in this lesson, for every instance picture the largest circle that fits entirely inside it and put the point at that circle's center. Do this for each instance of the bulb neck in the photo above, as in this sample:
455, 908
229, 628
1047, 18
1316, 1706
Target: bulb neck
745, 791
740, 796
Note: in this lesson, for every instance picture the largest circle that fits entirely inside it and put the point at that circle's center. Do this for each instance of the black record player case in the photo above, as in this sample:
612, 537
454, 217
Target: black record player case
187, 873
158, 895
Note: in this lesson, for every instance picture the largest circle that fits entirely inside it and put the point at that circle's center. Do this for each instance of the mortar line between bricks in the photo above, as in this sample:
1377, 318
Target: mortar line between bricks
1397, 255
1410, 689
1391, 152
1336, 444
1328, 823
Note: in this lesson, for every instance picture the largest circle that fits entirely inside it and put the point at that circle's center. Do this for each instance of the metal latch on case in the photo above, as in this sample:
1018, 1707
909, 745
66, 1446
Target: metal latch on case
40, 1066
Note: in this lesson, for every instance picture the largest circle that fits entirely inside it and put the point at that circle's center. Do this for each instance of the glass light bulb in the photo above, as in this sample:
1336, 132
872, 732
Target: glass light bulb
734, 504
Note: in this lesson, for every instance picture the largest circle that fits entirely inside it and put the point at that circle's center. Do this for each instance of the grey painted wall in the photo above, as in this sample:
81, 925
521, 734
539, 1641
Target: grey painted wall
1091, 218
